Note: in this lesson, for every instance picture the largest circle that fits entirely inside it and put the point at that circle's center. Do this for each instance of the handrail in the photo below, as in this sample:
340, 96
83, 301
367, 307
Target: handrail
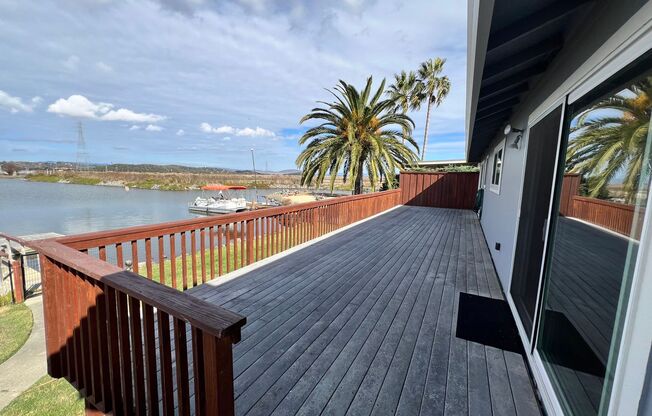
18, 240
611, 204
208, 317
122, 341
130, 233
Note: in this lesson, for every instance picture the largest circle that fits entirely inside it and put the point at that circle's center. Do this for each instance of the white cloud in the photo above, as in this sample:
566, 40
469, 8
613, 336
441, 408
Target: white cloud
226, 139
80, 106
180, 132
153, 127
104, 67
134, 127
257, 132
247, 131
16, 104
122, 114
72, 63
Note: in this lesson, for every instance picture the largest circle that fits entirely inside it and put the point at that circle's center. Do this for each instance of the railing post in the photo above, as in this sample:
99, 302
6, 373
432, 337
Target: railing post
19, 288
218, 376
53, 322
250, 241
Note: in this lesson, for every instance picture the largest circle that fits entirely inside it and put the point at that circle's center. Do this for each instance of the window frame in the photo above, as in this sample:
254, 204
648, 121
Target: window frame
500, 148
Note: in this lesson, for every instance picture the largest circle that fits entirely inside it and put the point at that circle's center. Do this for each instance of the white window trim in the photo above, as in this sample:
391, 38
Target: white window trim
482, 181
495, 188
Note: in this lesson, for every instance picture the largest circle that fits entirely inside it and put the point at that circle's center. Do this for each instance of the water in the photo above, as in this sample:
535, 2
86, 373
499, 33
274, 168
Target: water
35, 207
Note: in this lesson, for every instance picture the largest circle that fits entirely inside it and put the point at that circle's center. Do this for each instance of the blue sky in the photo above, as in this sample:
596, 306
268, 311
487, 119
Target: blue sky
201, 82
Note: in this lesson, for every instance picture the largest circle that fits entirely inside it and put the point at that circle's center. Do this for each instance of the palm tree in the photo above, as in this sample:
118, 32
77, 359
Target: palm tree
610, 137
433, 89
405, 93
356, 134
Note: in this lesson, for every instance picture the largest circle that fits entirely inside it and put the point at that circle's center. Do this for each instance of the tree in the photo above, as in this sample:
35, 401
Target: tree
10, 167
405, 93
433, 90
610, 137
356, 134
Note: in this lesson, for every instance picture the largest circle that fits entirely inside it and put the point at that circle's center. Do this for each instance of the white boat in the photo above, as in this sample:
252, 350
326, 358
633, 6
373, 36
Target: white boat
221, 203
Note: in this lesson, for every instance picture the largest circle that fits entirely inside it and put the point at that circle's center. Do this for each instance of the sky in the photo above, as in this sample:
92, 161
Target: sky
200, 83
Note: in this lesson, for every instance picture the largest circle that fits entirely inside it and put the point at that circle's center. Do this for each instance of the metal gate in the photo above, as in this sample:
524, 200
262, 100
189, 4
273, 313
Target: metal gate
31, 268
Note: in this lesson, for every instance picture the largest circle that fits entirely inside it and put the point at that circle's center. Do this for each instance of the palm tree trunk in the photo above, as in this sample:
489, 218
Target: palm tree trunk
405, 110
425, 133
357, 188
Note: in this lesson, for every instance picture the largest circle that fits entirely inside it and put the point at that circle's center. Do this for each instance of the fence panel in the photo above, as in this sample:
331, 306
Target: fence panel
439, 189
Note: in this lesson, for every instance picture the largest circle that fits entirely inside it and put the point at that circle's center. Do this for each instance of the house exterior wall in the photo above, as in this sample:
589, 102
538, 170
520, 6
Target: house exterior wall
609, 23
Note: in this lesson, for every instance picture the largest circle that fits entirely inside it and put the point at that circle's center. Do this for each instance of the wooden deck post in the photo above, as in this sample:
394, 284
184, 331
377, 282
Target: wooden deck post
19, 289
250, 241
218, 376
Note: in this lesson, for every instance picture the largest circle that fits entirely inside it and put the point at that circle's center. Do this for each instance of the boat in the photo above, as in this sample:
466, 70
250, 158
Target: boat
220, 203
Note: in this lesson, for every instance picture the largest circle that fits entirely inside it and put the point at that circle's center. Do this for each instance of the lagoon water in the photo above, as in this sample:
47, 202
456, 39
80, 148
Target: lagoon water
35, 207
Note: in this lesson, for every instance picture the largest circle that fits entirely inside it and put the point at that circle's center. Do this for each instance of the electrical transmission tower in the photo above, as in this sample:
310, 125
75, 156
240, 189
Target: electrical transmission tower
82, 154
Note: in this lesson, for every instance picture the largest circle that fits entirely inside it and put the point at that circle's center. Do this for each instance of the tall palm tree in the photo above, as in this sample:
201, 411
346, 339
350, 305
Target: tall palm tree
610, 137
405, 93
356, 134
433, 90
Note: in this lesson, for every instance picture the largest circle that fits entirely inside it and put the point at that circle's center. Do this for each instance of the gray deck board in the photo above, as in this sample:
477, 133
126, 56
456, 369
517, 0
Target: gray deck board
363, 322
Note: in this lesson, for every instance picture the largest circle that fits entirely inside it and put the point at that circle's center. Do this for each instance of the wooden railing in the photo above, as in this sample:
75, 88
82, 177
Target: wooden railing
439, 189
183, 254
607, 214
16, 269
132, 345
611, 215
120, 339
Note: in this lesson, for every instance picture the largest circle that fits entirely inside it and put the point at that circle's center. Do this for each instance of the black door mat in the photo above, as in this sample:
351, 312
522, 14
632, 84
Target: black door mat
487, 321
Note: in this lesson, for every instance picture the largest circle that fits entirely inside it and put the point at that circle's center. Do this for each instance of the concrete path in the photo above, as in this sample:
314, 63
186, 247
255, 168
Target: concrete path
28, 365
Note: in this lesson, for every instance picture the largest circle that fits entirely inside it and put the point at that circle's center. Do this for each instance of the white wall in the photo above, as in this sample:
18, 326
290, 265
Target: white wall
500, 210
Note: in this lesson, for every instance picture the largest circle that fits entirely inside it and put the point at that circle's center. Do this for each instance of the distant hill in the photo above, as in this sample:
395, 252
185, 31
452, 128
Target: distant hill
142, 167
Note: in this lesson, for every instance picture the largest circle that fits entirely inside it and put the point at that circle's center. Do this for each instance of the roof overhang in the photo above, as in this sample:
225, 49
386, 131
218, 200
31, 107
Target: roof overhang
510, 45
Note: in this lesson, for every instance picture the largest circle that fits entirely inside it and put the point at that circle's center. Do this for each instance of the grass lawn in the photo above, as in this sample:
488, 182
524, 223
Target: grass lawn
260, 246
48, 396
15, 327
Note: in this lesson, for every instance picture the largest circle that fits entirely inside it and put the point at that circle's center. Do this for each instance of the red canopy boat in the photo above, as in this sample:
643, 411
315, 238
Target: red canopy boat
219, 187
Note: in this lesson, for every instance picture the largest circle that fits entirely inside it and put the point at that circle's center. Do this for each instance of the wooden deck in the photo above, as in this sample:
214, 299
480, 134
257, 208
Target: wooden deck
363, 322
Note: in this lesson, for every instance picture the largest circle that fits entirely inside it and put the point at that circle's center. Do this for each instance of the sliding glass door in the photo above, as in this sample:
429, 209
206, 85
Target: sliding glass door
601, 193
542, 139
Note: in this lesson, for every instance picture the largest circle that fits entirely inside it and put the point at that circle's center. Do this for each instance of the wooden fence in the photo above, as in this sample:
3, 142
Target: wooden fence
439, 189
611, 215
131, 345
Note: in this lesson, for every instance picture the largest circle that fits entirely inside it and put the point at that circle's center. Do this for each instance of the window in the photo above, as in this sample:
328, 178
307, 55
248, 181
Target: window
497, 167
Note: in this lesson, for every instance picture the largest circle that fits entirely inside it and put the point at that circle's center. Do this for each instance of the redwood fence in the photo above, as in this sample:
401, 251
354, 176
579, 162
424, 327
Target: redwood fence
611, 215
439, 189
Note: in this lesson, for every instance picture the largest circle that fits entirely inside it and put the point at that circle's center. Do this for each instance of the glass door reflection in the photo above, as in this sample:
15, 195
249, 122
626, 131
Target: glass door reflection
602, 198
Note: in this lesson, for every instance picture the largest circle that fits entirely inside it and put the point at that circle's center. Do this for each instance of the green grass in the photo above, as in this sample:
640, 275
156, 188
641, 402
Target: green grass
43, 178
15, 327
167, 268
6, 299
48, 396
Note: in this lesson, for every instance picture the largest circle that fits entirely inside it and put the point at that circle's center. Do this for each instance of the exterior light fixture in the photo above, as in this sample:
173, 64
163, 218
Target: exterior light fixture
510, 129
517, 141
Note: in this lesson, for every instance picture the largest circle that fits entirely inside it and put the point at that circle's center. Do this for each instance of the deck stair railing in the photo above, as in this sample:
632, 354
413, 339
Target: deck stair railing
132, 345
